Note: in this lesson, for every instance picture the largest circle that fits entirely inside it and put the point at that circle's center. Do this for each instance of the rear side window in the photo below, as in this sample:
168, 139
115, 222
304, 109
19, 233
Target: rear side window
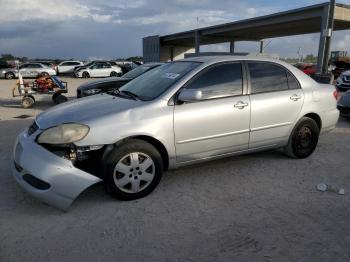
220, 80
292, 81
267, 77
36, 66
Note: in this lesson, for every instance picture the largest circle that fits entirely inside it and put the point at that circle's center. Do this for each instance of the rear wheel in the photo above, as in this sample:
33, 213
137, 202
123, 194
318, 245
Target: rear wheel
303, 139
86, 75
9, 75
54, 96
133, 170
113, 74
28, 101
59, 99
44, 74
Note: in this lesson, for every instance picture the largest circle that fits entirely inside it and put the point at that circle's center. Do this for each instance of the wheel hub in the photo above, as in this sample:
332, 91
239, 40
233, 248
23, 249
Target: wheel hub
134, 172
304, 138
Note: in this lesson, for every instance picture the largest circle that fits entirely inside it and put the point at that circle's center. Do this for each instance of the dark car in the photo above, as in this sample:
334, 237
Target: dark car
99, 86
4, 64
344, 105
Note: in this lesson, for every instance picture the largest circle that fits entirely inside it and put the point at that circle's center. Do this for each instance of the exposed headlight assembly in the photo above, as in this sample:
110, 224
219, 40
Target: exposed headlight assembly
92, 91
63, 134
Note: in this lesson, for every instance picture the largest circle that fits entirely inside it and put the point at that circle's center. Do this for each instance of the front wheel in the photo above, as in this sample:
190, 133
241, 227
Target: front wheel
59, 99
133, 170
86, 75
304, 139
10, 75
113, 74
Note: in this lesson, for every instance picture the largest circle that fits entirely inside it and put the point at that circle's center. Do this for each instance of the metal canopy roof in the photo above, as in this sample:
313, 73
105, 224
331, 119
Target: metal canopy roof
293, 22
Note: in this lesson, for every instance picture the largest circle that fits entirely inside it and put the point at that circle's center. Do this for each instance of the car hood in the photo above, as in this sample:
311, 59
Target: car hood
92, 84
80, 67
85, 109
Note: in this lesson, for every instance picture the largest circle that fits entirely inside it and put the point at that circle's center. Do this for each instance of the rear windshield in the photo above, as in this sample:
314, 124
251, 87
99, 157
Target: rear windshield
155, 82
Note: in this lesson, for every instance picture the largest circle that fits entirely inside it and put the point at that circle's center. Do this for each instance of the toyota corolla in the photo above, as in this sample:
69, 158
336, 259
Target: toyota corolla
183, 112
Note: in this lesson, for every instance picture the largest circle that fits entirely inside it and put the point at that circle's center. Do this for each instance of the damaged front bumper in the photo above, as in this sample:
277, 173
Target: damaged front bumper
46, 176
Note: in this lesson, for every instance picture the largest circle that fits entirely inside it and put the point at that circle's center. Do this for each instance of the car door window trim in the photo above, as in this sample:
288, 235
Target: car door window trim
193, 78
249, 89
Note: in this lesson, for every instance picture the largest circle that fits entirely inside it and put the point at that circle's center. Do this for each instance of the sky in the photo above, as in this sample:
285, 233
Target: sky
107, 29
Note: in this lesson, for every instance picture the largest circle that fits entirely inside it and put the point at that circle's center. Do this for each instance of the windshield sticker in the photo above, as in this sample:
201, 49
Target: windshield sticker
171, 75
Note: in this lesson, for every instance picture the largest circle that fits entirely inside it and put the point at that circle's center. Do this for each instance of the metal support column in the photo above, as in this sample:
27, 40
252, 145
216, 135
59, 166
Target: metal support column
261, 46
232, 47
325, 37
197, 42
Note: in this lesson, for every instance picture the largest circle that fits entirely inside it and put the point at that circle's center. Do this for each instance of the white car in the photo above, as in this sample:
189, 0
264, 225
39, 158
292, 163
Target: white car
67, 66
99, 69
33, 69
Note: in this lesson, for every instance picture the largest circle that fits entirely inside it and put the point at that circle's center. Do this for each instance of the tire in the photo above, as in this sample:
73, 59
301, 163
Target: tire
303, 140
86, 75
54, 96
59, 99
27, 102
125, 180
9, 75
44, 74
113, 74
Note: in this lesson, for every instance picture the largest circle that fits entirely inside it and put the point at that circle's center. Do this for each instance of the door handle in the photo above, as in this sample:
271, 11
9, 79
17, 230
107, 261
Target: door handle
240, 105
295, 97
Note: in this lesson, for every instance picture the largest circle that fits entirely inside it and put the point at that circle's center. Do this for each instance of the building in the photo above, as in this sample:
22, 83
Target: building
321, 18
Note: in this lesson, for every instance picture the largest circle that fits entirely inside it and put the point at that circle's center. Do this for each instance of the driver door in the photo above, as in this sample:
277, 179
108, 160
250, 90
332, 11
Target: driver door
218, 124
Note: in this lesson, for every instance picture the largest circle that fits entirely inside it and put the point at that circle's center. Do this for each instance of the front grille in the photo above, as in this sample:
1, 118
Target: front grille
33, 128
18, 167
36, 182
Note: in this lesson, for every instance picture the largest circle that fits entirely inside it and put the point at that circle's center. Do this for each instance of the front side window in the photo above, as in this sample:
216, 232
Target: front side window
267, 77
35, 66
220, 80
155, 82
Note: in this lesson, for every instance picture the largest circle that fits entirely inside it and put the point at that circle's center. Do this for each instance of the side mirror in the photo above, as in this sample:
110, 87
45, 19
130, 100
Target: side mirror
190, 95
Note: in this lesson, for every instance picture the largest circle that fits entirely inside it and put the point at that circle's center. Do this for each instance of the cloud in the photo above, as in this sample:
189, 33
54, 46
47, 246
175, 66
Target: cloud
104, 28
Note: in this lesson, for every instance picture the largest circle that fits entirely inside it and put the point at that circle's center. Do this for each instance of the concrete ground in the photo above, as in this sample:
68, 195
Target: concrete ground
260, 207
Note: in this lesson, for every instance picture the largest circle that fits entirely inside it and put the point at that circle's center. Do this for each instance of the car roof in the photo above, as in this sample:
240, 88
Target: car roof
223, 58
153, 64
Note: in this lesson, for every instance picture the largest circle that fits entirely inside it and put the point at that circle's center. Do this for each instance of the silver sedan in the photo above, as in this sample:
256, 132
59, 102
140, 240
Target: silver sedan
178, 114
27, 70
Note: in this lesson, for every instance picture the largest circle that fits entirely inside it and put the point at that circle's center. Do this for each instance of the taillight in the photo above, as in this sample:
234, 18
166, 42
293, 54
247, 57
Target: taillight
335, 94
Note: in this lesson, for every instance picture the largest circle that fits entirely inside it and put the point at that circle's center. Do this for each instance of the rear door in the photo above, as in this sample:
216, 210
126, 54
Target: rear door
98, 70
220, 123
276, 101
107, 69
23, 70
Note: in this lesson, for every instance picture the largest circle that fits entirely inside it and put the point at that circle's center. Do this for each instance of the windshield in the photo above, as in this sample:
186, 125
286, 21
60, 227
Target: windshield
155, 82
136, 72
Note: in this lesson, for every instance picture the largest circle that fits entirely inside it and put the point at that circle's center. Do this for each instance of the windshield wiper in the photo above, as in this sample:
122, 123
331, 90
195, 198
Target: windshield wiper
116, 92
130, 94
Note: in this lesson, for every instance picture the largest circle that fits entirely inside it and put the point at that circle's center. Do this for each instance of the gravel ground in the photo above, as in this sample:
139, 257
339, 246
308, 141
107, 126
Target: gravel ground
260, 207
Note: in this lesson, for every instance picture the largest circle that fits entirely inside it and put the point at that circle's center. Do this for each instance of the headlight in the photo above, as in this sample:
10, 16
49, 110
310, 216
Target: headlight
92, 91
63, 134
